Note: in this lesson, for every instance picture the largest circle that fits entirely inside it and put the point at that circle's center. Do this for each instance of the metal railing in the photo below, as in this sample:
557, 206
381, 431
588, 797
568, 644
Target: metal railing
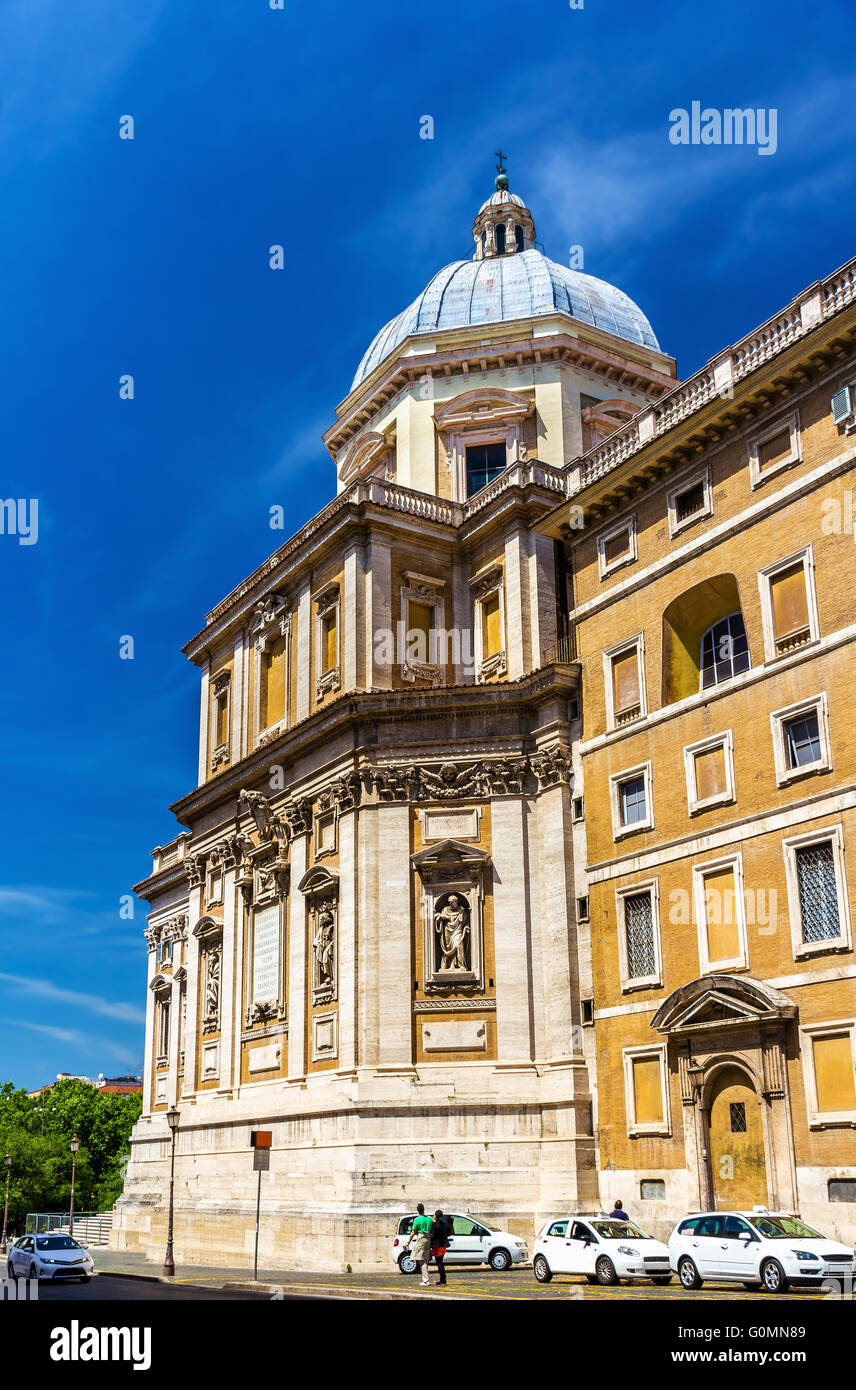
90, 1227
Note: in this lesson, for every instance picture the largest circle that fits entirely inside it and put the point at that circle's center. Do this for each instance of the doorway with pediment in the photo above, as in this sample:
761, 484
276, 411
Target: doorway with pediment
728, 1043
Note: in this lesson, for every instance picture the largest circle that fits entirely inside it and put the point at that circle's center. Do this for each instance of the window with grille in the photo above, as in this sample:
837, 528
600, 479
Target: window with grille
724, 651
639, 935
818, 892
738, 1117
634, 801
484, 463
802, 740
690, 501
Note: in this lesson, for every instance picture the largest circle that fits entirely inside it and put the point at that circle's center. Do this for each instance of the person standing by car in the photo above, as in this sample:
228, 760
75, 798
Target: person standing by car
440, 1242
420, 1234
618, 1213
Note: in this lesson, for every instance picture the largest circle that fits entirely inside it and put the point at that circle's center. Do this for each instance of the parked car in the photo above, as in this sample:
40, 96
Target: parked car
471, 1242
604, 1250
755, 1248
49, 1257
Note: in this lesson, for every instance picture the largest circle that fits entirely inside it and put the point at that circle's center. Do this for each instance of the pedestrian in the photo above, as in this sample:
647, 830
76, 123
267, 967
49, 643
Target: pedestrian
420, 1233
440, 1242
618, 1213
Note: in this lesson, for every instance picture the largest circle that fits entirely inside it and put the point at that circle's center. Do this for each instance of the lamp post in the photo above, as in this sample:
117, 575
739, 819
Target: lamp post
74, 1146
172, 1118
6, 1205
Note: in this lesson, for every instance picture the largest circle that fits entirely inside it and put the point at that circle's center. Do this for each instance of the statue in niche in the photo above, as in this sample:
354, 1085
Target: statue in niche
322, 944
452, 925
212, 986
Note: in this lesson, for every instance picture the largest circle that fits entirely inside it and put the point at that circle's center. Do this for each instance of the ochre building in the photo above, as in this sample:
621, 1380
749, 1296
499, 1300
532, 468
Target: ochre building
475, 772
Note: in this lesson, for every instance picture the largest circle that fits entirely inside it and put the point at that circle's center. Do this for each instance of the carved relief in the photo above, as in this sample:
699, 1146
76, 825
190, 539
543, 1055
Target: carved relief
321, 889
551, 767
268, 824
211, 974
452, 875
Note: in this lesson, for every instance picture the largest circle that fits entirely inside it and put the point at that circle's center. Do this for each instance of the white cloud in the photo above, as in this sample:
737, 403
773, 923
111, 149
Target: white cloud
92, 1003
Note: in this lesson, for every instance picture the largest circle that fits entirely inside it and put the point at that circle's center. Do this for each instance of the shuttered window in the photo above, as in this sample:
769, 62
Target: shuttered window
647, 1091
711, 777
833, 1073
272, 676
491, 626
625, 682
790, 602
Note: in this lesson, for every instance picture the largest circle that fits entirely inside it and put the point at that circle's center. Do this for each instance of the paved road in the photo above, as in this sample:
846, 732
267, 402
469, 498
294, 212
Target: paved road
106, 1288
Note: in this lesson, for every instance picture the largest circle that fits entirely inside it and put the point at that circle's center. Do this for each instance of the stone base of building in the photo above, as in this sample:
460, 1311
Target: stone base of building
511, 1146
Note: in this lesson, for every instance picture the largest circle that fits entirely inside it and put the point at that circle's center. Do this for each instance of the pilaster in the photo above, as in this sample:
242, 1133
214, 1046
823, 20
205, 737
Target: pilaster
511, 929
296, 996
391, 922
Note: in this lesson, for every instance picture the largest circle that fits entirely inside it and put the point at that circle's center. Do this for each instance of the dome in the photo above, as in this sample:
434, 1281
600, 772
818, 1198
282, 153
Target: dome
501, 289
502, 196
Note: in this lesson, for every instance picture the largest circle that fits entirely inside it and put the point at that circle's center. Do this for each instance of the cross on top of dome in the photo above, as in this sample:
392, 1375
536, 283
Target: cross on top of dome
503, 225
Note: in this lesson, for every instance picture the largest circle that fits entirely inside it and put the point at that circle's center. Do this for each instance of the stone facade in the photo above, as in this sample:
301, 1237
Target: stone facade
388, 931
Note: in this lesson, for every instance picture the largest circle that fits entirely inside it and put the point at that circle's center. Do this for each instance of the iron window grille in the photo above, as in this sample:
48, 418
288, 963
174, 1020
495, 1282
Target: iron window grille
818, 892
639, 934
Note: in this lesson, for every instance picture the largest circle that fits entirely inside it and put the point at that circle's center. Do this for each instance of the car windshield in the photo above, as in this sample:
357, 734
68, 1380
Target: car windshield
784, 1228
618, 1230
56, 1243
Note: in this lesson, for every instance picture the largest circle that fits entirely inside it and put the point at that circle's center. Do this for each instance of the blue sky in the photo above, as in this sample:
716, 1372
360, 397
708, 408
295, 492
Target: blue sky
299, 126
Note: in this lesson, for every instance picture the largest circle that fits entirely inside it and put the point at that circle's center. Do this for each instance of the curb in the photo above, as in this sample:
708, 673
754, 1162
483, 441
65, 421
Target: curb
338, 1291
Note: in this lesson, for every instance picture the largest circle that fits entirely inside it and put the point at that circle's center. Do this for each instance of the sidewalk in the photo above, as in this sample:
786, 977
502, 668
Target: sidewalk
377, 1285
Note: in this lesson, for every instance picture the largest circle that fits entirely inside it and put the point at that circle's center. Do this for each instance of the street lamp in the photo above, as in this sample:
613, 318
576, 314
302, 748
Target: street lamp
6, 1207
172, 1118
74, 1146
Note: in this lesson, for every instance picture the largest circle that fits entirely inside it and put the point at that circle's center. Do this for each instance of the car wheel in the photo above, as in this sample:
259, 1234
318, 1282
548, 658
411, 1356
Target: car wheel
662, 1279
542, 1271
688, 1274
34, 1273
499, 1259
605, 1271
773, 1277
84, 1278
406, 1264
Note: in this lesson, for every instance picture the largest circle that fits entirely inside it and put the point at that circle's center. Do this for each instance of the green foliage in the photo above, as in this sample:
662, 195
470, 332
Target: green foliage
36, 1131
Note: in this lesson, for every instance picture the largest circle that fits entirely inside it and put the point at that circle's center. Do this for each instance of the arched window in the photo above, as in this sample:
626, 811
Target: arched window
483, 241
499, 238
724, 651
518, 236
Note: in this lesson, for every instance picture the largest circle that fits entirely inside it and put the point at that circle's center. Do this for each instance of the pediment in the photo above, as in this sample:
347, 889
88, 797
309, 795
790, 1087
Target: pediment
208, 926
319, 879
483, 407
721, 1001
449, 854
362, 456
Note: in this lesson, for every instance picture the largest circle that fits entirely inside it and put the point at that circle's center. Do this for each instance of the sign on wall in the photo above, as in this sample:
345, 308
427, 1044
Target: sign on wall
266, 939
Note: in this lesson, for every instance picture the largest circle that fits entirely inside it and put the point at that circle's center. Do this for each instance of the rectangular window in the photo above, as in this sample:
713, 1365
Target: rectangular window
578, 808
329, 642
646, 1091
272, 687
652, 1190
841, 1189
625, 683
689, 501
634, 806
491, 626
709, 768
720, 914
630, 799
484, 463
624, 673
583, 908
221, 719
420, 623
817, 892
639, 935
163, 1028
789, 605
802, 740
832, 1055
774, 448
616, 546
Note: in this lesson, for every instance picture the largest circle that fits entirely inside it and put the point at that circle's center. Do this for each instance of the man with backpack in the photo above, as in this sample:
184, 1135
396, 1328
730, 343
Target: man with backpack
440, 1235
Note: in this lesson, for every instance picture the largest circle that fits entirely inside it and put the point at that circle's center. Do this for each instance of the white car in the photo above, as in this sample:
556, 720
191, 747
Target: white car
601, 1248
755, 1248
49, 1257
471, 1242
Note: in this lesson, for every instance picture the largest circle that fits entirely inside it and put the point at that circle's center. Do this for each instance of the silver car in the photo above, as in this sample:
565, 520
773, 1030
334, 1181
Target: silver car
49, 1257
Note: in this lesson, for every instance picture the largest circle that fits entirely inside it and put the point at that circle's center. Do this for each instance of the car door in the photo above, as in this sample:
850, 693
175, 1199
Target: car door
582, 1247
704, 1246
738, 1249
466, 1245
555, 1251
23, 1255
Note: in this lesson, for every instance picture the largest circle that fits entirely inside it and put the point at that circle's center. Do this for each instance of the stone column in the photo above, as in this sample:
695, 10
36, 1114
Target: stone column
517, 616
149, 1054
240, 674
367, 937
378, 613
204, 722
346, 945
174, 1036
542, 596
393, 926
555, 923
231, 976
297, 960
304, 652
353, 620
191, 1032
511, 929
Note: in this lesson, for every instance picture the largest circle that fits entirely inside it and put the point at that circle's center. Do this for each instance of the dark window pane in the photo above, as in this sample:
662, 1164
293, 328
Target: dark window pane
803, 740
499, 238
724, 651
689, 502
518, 236
484, 463
738, 1117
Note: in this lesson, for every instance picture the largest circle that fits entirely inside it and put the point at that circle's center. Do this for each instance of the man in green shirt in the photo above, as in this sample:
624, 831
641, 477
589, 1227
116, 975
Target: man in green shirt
420, 1235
